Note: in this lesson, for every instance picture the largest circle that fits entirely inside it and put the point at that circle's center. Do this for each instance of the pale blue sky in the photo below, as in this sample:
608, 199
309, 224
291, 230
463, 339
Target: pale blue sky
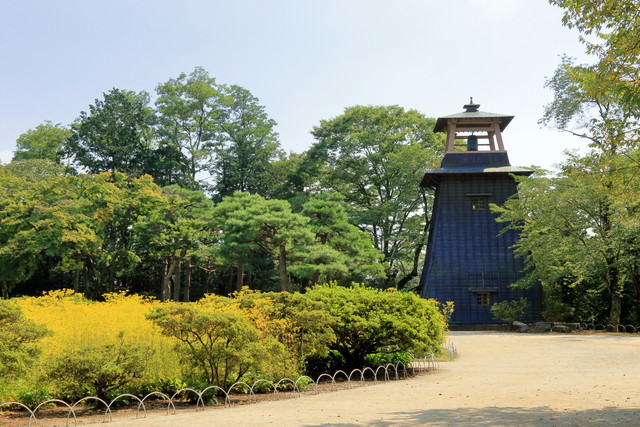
306, 60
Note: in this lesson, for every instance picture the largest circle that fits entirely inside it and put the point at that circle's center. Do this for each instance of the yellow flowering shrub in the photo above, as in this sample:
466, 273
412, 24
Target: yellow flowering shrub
272, 333
78, 322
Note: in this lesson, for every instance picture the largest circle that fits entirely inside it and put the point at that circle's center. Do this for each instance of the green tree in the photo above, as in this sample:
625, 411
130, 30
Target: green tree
375, 321
341, 251
610, 29
75, 224
249, 222
117, 204
376, 157
285, 180
189, 113
177, 229
115, 135
34, 212
510, 311
167, 164
35, 170
570, 234
246, 144
300, 323
221, 346
584, 108
46, 142
17, 179
238, 242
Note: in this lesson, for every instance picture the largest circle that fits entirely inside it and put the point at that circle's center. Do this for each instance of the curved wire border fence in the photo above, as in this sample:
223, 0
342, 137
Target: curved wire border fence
386, 372
608, 327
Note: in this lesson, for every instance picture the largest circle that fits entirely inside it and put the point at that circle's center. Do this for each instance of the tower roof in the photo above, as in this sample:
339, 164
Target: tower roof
471, 112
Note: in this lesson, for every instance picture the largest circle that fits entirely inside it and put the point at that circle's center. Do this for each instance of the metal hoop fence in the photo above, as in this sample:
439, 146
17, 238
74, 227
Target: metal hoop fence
356, 378
608, 327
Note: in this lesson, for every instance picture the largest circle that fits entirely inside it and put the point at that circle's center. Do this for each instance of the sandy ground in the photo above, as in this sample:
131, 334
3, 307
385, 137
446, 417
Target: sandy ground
499, 379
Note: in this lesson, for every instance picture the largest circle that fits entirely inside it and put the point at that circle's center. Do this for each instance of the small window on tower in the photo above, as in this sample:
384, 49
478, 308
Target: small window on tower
483, 299
479, 203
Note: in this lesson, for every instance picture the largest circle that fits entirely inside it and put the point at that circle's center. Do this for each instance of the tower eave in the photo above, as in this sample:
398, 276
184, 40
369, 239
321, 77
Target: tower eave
432, 178
441, 122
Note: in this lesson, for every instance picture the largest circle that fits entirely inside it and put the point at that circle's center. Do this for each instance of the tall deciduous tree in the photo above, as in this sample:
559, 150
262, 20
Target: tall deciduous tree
573, 235
25, 185
376, 157
594, 113
115, 135
582, 107
78, 223
48, 221
189, 112
611, 28
177, 229
247, 144
118, 203
45, 142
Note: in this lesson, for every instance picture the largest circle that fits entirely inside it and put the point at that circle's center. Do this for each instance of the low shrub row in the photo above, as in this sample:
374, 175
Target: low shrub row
64, 346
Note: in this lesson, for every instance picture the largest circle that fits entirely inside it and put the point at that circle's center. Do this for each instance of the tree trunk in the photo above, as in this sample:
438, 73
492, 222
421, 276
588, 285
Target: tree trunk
240, 277
315, 278
416, 253
98, 288
636, 287
616, 309
615, 290
612, 278
229, 280
85, 279
187, 281
414, 271
5, 289
76, 279
176, 280
76, 275
112, 277
169, 267
282, 269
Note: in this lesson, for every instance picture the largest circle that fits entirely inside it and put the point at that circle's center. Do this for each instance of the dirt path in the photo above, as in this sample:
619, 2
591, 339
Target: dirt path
498, 380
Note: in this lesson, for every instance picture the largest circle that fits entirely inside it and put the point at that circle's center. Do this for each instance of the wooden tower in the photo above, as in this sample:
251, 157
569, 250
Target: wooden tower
467, 261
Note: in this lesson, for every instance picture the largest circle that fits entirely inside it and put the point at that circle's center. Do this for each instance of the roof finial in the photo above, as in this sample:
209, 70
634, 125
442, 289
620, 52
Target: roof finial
471, 107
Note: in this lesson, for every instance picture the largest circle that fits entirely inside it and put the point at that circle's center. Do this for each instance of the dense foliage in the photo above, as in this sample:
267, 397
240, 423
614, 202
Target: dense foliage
373, 321
376, 157
609, 32
98, 370
220, 346
579, 227
18, 340
134, 344
191, 194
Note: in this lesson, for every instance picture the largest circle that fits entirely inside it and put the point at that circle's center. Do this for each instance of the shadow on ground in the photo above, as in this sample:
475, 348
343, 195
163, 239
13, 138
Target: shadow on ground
504, 416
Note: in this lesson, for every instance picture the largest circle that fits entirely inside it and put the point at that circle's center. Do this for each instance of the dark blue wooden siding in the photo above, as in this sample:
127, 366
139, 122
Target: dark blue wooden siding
465, 255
